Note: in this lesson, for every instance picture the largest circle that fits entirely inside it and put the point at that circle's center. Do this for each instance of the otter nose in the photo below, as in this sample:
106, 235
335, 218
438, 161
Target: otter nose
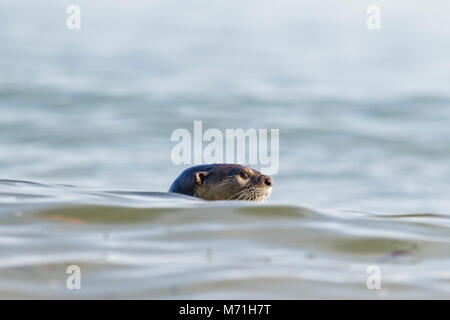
267, 181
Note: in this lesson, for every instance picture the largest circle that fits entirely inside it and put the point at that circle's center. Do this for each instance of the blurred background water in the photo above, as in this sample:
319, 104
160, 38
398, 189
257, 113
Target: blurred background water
364, 135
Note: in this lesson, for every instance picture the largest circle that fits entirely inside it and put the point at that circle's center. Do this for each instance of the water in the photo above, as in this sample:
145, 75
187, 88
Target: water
364, 149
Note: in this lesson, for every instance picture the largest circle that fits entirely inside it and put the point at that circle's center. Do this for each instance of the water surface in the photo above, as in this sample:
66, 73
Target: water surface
159, 245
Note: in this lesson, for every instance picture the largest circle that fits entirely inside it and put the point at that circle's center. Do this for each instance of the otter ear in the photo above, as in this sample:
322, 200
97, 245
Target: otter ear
200, 176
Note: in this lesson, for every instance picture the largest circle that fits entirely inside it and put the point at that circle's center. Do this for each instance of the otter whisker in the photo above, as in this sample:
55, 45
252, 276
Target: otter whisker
238, 194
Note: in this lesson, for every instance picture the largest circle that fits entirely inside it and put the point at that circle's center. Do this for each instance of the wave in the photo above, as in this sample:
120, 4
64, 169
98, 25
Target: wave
162, 245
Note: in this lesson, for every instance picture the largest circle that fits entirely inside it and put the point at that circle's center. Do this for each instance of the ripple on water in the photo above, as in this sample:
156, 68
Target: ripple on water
156, 245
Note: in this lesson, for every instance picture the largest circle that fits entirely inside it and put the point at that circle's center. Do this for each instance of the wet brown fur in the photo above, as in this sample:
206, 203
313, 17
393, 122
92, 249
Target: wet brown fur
223, 182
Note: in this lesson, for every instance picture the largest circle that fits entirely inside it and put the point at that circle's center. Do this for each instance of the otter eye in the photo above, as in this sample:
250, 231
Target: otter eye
244, 175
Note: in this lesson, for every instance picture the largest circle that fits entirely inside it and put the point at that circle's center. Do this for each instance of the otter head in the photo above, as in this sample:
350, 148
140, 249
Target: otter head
223, 182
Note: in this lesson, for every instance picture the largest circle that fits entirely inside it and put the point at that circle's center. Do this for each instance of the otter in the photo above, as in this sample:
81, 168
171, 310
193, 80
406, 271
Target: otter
223, 182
